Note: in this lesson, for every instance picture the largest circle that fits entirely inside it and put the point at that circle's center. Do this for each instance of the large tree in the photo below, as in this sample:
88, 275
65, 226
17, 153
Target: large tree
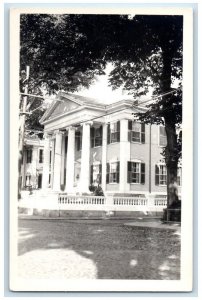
68, 51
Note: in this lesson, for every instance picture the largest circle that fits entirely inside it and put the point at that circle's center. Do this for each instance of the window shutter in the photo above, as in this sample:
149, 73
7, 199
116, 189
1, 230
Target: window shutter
108, 133
100, 173
142, 173
118, 131
129, 172
142, 133
91, 174
117, 171
130, 125
92, 137
156, 174
129, 136
107, 175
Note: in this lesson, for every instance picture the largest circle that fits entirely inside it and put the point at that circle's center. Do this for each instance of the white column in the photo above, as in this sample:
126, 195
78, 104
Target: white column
85, 159
46, 161
124, 156
70, 160
104, 156
57, 162
62, 161
52, 160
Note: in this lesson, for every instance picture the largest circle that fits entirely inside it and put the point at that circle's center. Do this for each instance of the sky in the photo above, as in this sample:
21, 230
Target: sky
101, 91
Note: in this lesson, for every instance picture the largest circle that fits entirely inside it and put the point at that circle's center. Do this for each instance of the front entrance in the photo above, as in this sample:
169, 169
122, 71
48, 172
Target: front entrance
39, 181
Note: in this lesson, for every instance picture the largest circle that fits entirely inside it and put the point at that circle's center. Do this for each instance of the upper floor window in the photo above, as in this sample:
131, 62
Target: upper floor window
40, 156
96, 136
136, 172
162, 136
113, 132
113, 172
29, 155
136, 132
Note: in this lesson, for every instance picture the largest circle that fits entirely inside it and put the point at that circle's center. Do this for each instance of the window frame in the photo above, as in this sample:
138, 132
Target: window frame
131, 132
41, 156
116, 133
110, 174
29, 157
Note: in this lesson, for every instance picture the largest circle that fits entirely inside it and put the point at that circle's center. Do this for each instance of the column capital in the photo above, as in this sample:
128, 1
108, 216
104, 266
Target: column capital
56, 132
70, 128
86, 123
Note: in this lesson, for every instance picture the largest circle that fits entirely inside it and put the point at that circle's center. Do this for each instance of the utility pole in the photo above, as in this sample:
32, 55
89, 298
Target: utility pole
23, 111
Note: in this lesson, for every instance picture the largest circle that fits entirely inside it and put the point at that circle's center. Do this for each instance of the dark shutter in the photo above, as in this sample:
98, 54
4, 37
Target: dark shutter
108, 133
129, 172
130, 125
118, 131
129, 136
142, 173
142, 133
118, 170
92, 137
107, 175
156, 175
91, 174
100, 173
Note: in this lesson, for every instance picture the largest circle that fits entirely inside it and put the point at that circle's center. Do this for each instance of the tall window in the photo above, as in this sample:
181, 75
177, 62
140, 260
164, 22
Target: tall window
113, 132
96, 174
136, 172
113, 172
29, 155
136, 132
162, 136
40, 156
96, 136
160, 174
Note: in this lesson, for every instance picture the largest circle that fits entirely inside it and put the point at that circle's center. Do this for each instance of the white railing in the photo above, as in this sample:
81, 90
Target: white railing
130, 201
160, 202
81, 200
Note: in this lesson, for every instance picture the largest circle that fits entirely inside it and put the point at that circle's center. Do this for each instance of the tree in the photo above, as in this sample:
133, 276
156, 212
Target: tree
68, 51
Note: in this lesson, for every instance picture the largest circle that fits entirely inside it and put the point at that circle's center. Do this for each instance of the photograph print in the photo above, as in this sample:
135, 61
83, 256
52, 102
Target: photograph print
99, 185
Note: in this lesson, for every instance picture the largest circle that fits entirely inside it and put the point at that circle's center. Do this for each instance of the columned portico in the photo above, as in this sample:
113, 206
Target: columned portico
46, 161
57, 161
70, 160
85, 159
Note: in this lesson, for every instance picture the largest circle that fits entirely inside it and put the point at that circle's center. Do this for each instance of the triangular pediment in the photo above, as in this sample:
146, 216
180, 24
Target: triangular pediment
59, 107
63, 107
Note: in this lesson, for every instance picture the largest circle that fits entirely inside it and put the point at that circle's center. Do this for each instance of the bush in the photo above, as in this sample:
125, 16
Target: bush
97, 190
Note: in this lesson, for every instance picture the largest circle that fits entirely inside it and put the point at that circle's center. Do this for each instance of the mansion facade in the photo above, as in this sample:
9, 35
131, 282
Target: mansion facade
87, 142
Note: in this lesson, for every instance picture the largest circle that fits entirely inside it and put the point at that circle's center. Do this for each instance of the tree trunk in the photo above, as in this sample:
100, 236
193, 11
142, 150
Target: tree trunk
171, 150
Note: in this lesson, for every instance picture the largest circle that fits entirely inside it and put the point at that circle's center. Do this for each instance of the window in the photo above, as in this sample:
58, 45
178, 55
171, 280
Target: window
40, 156
113, 132
96, 174
78, 141
160, 175
136, 132
162, 136
136, 172
96, 136
29, 155
113, 172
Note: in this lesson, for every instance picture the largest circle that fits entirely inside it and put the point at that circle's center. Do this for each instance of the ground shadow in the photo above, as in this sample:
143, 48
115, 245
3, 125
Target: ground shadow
104, 249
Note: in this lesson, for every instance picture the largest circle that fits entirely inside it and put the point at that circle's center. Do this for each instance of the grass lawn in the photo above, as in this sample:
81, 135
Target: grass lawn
96, 249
